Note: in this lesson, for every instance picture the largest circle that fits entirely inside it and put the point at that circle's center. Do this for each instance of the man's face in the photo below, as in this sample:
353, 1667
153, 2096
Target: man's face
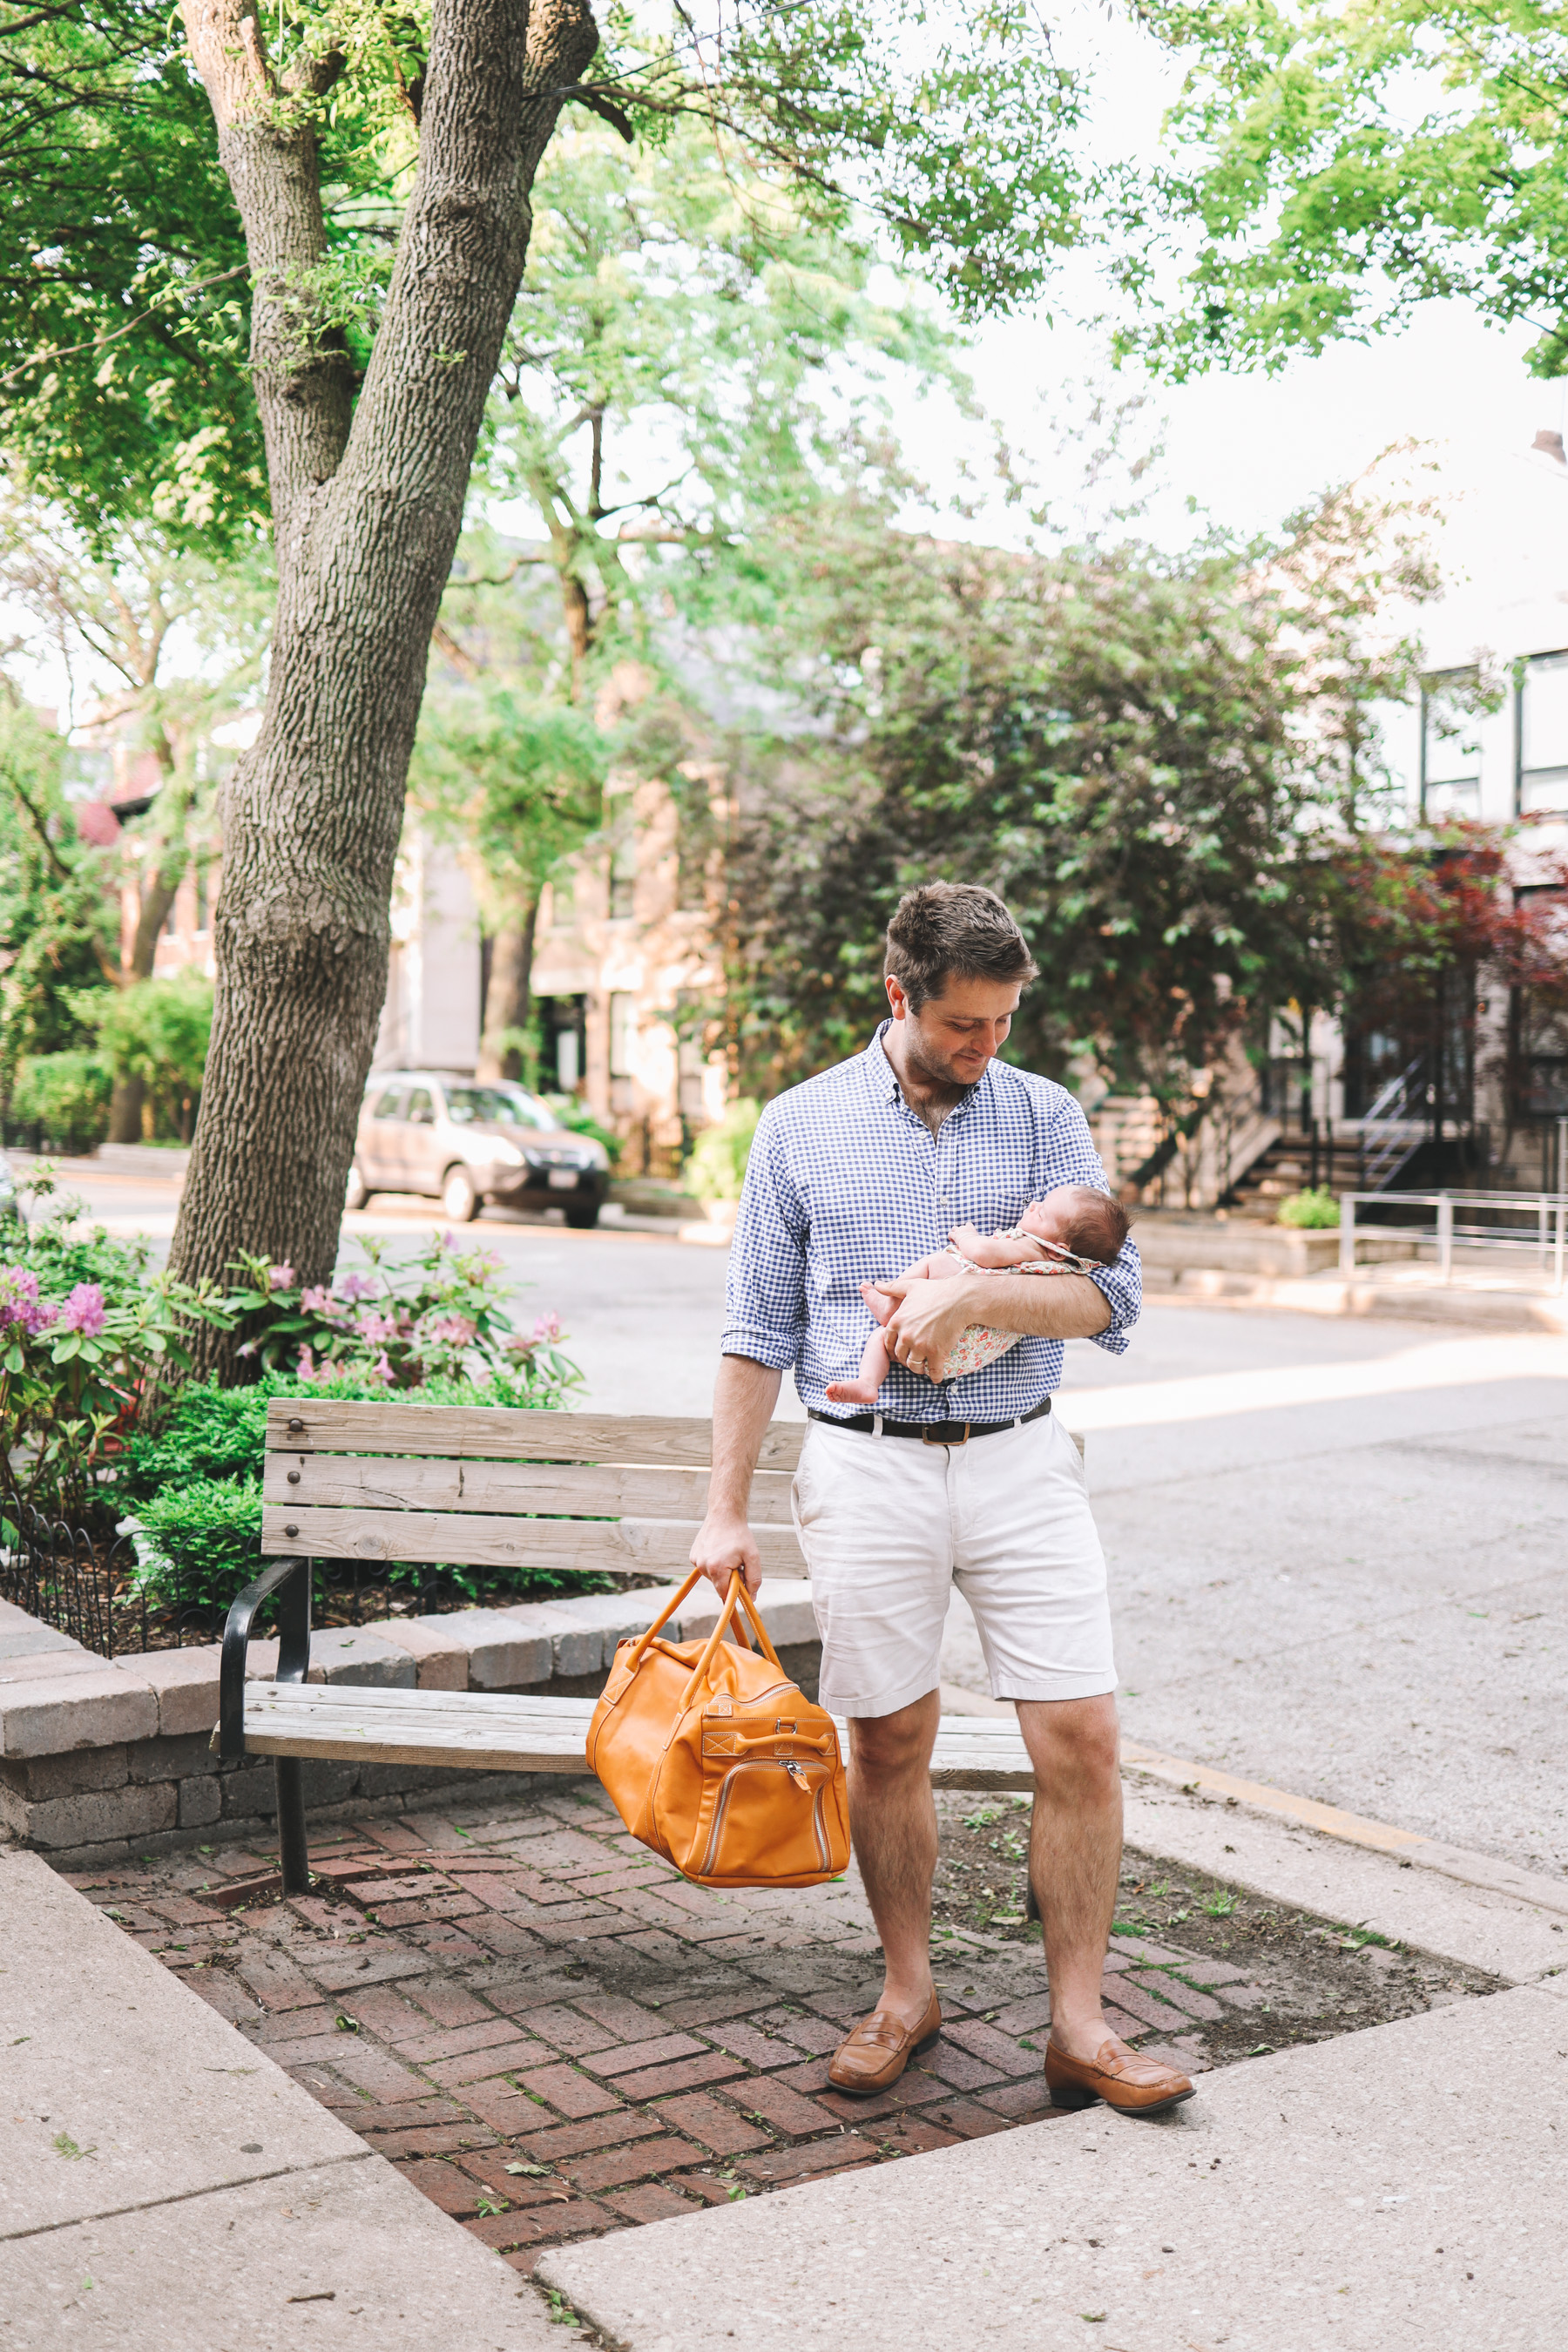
953, 1036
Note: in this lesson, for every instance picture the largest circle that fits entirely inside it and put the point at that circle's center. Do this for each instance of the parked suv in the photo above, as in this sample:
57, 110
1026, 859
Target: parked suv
466, 1141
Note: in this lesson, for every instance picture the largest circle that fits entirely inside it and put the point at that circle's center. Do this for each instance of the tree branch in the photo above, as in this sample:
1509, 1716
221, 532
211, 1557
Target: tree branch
607, 110
267, 147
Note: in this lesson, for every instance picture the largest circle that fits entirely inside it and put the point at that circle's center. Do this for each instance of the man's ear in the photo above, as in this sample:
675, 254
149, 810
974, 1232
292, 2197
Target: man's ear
898, 1003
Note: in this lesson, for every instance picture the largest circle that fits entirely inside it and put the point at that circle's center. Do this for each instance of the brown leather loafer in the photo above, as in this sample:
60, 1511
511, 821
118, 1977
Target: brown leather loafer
1131, 2084
874, 2054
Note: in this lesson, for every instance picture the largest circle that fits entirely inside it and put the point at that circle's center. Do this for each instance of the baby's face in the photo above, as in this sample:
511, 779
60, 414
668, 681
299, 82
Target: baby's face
1047, 1219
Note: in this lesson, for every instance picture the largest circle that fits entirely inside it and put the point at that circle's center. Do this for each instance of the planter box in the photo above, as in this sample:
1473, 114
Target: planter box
1173, 1243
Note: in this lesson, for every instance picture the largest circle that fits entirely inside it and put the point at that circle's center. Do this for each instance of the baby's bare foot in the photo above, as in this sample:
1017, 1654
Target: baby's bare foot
852, 1392
878, 1301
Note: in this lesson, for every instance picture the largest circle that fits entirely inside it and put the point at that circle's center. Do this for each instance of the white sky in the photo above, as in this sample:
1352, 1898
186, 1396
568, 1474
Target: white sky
1250, 449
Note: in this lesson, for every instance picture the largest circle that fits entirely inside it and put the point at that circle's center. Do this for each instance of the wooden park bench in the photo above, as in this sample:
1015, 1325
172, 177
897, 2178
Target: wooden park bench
482, 1486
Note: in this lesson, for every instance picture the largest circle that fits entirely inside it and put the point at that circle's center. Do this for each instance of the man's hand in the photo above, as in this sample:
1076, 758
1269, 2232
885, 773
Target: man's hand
724, 1545
926, 1322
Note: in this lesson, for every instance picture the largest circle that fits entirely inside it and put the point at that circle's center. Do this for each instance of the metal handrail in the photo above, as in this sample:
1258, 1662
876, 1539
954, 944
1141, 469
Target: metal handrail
1549, 1210
1386, 1142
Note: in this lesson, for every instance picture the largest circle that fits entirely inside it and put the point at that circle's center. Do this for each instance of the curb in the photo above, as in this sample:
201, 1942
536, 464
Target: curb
1477, 1870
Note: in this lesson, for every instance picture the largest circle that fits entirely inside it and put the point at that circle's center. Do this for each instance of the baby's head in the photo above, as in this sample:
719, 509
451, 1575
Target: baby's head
1079, 1218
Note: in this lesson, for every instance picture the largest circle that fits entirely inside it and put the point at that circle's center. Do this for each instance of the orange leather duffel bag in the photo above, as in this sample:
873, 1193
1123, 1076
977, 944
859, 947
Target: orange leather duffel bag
718, 1761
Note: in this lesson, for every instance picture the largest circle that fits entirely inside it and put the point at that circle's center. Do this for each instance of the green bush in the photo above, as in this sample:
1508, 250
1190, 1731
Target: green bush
717, 1168
1316, 1210
86, 1336
199, 1543
66, 1095
578, 1119
157, 1031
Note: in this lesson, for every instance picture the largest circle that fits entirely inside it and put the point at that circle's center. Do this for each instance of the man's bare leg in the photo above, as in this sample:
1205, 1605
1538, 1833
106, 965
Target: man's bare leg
1074, 1855
892, 1820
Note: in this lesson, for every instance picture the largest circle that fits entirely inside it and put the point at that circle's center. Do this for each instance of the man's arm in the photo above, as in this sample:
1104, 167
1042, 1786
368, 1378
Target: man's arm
744, 1395
930, 1315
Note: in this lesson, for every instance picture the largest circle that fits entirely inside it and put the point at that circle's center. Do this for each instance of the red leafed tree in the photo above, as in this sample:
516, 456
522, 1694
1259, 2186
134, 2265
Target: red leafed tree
1422, 939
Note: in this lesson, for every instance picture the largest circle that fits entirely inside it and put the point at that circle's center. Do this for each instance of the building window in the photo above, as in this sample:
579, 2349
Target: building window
622, 1033
624, 871
1542, 725
1451, 745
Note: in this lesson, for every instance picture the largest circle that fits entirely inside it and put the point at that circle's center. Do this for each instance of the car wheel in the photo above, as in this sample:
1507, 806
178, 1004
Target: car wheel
358, 1191
459, 1196
584, 1217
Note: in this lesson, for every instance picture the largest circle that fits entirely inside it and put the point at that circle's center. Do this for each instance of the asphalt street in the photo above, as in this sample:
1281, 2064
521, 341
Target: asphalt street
1337, 1548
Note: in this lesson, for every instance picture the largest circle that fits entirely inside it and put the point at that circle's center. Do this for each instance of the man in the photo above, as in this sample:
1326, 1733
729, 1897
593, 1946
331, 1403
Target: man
860, 1173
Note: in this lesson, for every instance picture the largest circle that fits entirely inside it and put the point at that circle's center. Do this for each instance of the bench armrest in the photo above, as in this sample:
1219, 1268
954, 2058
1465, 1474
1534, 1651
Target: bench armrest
291, 1580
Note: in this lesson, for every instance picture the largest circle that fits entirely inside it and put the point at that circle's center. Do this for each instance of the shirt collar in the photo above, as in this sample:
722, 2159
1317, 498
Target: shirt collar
880, 1074
883, 1079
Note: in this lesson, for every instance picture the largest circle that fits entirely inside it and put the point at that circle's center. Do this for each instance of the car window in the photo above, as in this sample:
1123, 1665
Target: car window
527, 1110
505, 1105
390, 1103
421, 1109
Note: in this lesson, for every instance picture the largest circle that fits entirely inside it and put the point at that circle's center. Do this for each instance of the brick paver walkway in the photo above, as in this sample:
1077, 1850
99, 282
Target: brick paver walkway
553, 2033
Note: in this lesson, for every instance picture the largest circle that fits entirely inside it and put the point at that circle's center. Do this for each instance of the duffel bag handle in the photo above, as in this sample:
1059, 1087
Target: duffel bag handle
737, 1591
698, 1672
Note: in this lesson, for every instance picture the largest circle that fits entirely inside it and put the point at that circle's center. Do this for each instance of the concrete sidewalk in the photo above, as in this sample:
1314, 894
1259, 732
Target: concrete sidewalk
1399, 2190
166, 2188
164, 2185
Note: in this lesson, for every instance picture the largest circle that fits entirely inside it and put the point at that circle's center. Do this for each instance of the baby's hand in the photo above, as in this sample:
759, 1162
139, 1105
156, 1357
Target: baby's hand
967, 1238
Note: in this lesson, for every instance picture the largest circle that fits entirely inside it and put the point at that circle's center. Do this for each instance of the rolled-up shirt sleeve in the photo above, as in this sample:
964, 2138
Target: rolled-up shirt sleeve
1070, 1158
764, 1296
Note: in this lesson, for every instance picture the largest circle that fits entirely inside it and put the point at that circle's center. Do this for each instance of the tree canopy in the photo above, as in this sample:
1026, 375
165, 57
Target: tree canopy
1154, 761
125, 293
1332, 166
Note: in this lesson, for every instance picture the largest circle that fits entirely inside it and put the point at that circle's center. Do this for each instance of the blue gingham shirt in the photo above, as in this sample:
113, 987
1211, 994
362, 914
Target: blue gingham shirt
847, 1184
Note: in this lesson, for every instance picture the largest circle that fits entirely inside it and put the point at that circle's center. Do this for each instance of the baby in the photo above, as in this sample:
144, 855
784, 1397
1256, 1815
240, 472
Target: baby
1071, 1230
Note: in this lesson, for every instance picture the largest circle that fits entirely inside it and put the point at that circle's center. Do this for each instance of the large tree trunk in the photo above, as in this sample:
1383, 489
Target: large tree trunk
506, 998
367, 500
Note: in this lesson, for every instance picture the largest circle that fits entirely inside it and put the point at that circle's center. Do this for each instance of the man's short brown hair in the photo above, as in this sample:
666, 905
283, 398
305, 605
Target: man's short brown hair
954, 930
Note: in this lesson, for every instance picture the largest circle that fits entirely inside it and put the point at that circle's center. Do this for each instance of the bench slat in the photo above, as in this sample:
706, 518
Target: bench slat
499, 1433
491, 1732
439, 1483
622, 1547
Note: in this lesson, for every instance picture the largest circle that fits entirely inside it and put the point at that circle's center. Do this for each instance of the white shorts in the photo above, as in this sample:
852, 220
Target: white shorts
890, 1524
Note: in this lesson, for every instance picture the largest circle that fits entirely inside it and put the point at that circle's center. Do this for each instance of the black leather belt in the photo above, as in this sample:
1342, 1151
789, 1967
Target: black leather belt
931, 1433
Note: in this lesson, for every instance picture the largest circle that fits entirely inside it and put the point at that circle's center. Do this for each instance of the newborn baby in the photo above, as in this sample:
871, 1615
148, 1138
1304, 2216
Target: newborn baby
1071, 1230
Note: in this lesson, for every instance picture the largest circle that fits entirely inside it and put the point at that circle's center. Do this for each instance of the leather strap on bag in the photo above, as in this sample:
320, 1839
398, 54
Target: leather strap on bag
737, 1592
700, 1671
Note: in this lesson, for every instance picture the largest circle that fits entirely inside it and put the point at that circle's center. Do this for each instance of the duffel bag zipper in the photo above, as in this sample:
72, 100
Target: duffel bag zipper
763, 1764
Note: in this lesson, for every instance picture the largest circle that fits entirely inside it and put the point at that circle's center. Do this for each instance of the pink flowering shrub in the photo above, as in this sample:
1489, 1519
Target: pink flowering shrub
438, 1313
86, 1332
84, 1311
